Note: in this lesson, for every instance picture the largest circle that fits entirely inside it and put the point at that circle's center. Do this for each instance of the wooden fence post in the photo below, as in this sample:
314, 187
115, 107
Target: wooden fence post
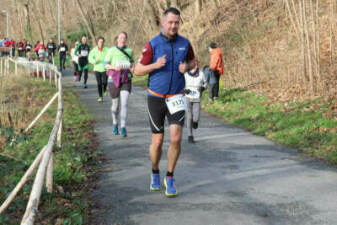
37, 71
49, 175
59, 135
16, 68
44, 71
1, 66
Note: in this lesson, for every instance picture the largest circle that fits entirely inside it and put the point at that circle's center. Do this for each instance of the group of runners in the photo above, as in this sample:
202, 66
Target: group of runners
175, 86
25, 49
48, 51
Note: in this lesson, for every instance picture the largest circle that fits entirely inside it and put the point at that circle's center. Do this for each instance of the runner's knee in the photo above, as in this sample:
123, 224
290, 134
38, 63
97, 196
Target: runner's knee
157, 141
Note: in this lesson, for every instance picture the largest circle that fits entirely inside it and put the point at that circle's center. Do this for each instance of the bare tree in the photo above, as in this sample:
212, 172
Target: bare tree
87, 22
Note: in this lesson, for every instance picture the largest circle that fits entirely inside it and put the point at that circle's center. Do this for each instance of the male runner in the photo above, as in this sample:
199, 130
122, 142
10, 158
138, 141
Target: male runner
164, 60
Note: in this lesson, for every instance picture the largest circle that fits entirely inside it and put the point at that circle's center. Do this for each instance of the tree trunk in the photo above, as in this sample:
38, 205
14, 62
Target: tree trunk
306, 30
198, 6
90, 29
152, 18
28, 28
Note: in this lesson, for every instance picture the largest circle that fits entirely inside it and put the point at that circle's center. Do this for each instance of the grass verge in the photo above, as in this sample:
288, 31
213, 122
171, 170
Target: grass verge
68, 203
140, 80
308, 126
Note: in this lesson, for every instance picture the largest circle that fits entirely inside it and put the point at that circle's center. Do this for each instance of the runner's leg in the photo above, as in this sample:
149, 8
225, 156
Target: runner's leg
156, 149
196, 111
104, 81
189, 117
85, 75
156, 110
64, 61
114, 109
210, 93
61, 66
75, 68
80, 74
124, 95
216, 88
175, 146
99, 83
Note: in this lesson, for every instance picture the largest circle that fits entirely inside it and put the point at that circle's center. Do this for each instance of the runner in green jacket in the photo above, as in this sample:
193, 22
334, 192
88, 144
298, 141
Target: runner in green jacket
119, 62
96, 57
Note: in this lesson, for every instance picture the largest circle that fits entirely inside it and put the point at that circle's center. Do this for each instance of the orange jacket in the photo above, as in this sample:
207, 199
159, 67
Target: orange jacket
216, 61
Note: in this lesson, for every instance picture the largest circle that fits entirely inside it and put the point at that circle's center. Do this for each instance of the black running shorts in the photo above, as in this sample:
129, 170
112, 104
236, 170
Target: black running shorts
157, 110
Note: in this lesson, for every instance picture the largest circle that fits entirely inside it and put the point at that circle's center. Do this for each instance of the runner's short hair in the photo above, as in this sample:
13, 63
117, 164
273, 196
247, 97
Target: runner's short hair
100, 37
172, 10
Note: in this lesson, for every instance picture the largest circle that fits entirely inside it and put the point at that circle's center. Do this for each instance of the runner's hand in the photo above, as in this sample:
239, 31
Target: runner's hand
161, 62
187, 91
118, 68
182, 67
132, 69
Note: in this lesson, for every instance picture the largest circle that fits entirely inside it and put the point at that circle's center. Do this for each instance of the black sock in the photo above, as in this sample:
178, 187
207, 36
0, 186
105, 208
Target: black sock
155, 171
169, 174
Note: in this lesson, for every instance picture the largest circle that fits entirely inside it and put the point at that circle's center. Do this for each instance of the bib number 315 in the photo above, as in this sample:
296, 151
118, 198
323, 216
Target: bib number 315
176, 103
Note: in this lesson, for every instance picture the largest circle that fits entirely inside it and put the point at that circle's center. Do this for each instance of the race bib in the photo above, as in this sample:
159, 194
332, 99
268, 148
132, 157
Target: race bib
195, 94
176, 103
84, 53
51, 47
28, 48
62, 49
20, 49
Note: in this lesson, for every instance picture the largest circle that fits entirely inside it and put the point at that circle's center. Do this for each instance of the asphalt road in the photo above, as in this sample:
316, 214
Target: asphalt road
228, 177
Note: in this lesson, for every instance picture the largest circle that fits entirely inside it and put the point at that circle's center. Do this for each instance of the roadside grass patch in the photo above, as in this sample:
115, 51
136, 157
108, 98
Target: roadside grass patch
72, 163
309, 126
140, 80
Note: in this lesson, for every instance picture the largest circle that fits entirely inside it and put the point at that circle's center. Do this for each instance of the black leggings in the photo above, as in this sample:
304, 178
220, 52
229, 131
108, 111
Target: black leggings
214, 88
62, 61
85, 75
101, 79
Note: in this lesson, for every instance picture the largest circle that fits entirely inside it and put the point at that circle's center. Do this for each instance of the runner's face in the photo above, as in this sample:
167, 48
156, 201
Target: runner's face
84, 40
170, 24
100, 43
121, 40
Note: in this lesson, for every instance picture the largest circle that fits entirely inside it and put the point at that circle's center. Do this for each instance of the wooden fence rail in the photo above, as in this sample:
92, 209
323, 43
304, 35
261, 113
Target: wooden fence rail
44, 160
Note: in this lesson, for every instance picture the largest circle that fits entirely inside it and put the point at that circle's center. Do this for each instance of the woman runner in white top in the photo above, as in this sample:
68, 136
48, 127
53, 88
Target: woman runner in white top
195, 84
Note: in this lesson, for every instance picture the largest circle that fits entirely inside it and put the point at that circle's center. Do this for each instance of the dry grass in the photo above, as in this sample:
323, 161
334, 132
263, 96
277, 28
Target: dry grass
21, 99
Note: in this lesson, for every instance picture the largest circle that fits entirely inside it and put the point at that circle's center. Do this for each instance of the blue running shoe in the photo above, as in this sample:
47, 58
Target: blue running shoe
155, 182
123, 132
84, 86
115, 130
171, 190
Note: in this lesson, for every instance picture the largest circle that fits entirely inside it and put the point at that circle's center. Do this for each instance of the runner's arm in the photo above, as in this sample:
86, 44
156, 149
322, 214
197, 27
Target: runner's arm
92, 58
145, 65
141, 70
76, 50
